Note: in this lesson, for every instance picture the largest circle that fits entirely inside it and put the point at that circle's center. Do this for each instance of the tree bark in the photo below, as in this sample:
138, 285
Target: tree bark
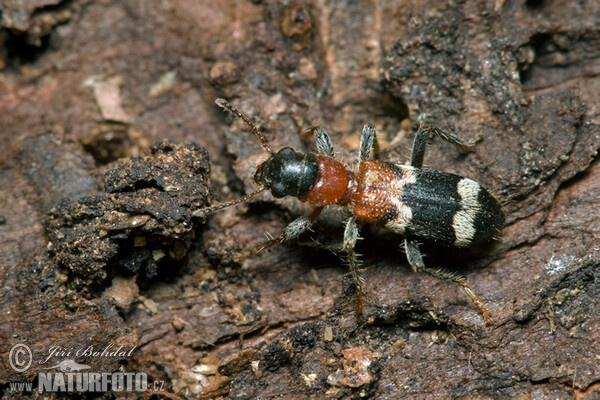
100, 103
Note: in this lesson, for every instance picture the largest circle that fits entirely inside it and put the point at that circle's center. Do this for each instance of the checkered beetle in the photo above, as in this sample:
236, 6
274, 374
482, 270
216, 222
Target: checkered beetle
417, 202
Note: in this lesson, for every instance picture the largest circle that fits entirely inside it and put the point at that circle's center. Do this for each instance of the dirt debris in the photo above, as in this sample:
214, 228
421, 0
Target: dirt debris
144, 217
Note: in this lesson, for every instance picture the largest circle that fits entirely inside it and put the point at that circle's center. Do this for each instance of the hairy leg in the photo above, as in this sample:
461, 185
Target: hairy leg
292, 231
350, 238
323, 142
422, 136
415, 260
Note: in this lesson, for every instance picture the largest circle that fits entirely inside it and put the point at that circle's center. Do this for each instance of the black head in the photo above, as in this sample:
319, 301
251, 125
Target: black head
288, 173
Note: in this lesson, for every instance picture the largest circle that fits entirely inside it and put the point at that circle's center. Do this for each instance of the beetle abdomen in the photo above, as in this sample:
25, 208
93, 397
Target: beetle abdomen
426, 204
450, 209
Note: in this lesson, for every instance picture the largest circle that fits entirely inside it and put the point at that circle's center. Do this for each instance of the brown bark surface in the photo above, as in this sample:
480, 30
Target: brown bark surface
111, 137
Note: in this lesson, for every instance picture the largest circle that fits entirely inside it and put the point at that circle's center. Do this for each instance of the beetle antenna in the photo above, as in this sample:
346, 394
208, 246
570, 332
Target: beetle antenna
227, 106
203, 212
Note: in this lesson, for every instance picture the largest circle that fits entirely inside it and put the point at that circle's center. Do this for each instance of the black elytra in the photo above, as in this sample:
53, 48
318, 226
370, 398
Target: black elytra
434, 202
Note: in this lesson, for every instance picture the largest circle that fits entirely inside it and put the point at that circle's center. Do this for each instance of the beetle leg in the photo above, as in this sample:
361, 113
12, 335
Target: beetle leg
423, 134
350, 238
323, 142
292, 231
415, 259
367, 140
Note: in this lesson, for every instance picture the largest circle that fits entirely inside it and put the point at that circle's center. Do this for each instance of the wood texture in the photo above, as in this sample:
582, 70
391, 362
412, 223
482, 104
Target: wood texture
86, 87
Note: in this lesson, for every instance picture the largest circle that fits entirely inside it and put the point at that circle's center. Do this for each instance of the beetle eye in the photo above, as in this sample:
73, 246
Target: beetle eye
278, 190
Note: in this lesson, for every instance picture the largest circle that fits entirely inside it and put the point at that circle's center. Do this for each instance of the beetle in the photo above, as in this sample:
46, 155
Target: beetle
416, 202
